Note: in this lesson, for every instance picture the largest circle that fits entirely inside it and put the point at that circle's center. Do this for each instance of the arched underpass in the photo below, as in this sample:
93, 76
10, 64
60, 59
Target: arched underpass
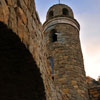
20, 78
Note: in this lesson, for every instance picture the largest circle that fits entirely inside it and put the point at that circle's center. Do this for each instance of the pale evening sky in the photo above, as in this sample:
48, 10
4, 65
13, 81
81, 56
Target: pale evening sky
87, 12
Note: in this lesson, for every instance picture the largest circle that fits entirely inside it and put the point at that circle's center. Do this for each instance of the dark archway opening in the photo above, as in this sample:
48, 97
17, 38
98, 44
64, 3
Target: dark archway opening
65, 12
20, 79
53, 36
51, 14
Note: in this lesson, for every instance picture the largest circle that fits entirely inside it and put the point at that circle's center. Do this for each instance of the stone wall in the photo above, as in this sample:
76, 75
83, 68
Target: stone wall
94, 88
94, 92
63, 43
22, 43
69, 73
21, 17
20, 77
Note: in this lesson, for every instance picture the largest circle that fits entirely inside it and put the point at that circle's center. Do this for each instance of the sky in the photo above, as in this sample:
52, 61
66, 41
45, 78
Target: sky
87, 13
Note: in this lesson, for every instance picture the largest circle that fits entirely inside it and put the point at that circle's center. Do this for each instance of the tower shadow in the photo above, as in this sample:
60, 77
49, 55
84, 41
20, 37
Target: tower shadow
20, 78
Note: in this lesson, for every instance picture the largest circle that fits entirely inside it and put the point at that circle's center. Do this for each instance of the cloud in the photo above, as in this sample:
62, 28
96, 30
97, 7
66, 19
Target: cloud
90, 40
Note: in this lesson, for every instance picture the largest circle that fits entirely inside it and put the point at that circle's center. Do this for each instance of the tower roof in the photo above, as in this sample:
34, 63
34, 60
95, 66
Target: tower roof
59, 10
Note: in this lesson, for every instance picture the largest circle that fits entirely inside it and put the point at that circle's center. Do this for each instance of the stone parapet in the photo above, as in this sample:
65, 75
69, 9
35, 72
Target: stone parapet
61, 20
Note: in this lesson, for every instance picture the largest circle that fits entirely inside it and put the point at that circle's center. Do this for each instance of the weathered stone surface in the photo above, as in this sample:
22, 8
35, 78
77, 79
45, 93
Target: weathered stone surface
21, 17
20, 77
94, 89
63, 45
23, 42
2, 2
11, 3
4, 14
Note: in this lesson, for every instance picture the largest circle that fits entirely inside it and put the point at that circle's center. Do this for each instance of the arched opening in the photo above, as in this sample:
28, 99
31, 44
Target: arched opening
51, 14
53, 36
65, 12
20, 78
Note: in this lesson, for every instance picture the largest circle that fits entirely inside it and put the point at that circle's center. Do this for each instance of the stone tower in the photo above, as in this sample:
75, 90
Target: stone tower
61, 32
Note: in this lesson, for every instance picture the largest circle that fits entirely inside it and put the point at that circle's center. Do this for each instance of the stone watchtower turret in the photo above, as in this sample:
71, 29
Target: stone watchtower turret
65, 58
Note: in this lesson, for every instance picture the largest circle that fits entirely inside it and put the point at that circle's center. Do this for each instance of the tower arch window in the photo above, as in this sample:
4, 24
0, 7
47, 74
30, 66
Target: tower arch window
53, 35
51, 14
65, 11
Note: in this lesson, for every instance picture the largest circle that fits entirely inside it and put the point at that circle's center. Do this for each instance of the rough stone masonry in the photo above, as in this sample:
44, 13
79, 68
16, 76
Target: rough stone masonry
25, 72
63, 45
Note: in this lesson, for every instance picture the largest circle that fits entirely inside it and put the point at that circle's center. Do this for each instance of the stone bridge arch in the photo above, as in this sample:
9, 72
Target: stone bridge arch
20, 78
